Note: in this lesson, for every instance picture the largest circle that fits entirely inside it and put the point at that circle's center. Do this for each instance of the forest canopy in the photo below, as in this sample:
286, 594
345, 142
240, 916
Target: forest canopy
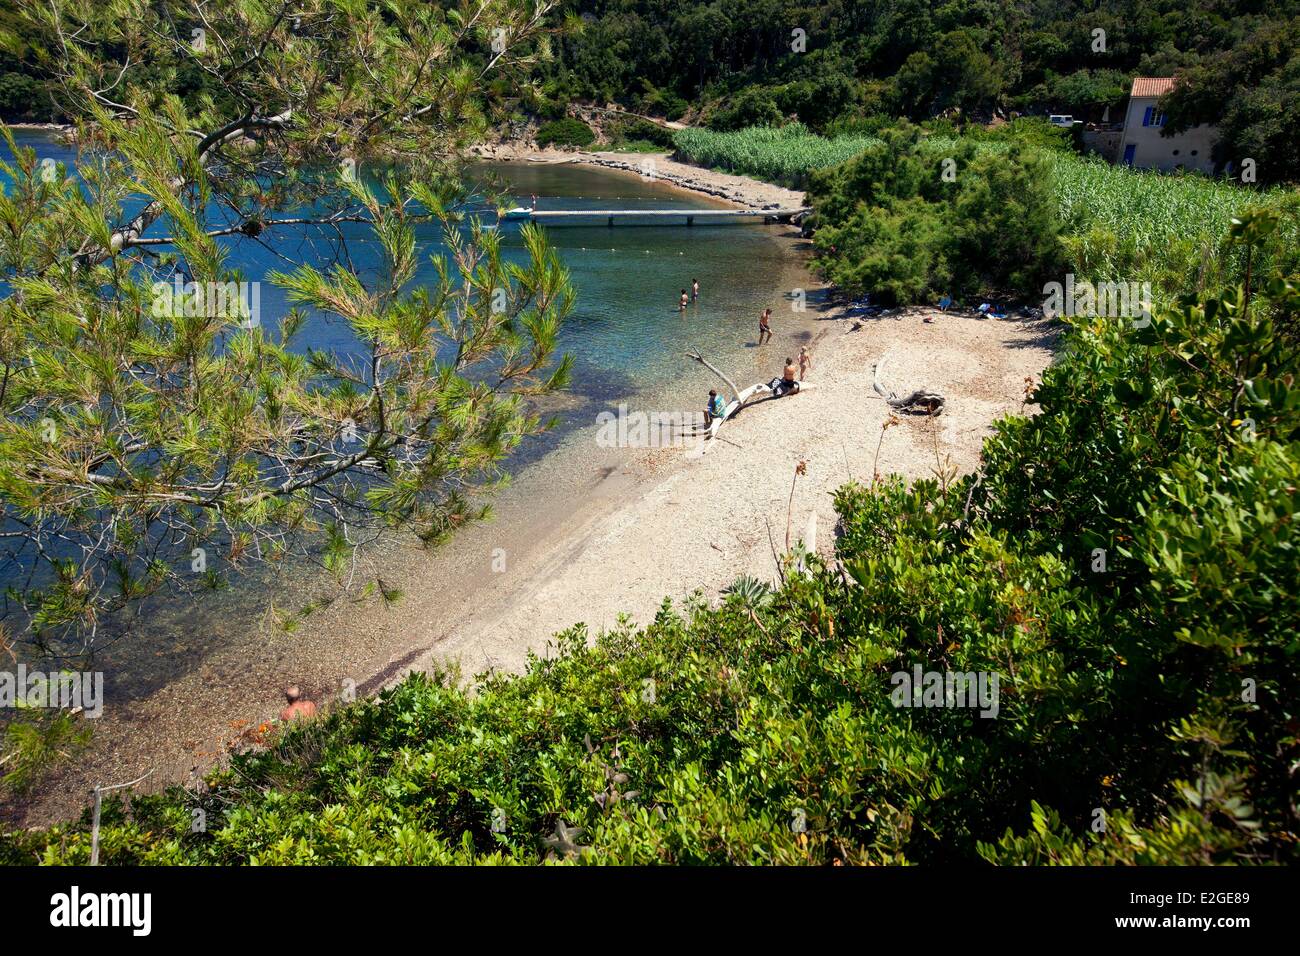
835, 64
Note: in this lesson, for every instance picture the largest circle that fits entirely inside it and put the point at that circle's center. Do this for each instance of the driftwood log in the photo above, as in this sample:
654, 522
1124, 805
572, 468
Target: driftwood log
919, 402
695, 354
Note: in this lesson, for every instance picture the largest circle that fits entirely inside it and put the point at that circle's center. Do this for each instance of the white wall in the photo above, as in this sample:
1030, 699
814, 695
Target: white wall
1153, 151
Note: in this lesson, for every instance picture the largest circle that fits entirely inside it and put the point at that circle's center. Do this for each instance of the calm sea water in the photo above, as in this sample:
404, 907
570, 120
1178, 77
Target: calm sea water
626, 334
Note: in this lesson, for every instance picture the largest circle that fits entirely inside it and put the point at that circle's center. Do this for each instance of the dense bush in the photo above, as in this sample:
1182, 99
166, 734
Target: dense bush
639, 131
1124, 561
1020, 210
22, 99
909, 217
754, 106
565, 132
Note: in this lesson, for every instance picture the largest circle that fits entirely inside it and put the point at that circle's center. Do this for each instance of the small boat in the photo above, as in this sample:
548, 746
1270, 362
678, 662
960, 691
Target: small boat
517, 214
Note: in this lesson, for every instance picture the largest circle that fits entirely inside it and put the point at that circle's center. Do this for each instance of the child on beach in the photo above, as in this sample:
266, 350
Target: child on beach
805, 361
716, 407
764, 327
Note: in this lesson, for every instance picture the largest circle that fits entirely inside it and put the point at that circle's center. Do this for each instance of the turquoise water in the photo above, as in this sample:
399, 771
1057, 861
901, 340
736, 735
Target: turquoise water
626, 335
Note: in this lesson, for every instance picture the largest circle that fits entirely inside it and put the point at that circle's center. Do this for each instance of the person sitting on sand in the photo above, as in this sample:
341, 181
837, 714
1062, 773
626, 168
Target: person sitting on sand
786, 383
764, 327
297, 707
805, 361
716, 408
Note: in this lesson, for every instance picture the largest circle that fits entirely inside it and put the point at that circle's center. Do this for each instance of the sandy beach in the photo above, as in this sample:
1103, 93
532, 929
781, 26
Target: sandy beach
739, 190
612, 535
700, 522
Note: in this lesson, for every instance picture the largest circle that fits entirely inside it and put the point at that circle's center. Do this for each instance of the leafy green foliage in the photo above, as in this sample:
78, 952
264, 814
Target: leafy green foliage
565, 132
1020, 209
1145, 706
911, 216
786, 154
1251, 94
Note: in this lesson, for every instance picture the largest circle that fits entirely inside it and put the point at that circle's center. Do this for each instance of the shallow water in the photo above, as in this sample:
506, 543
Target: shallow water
627, 337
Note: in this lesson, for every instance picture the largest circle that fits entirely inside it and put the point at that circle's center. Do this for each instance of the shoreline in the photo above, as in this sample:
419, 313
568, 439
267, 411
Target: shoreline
605, 533
737, 190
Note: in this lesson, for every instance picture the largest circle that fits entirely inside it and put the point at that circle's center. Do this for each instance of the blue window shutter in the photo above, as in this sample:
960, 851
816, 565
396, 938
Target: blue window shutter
1146, 117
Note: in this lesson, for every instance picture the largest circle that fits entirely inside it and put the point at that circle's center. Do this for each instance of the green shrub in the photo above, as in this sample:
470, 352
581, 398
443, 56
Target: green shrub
911, 217
632, 131
753, 106
565, 132
23, 98
1124, 563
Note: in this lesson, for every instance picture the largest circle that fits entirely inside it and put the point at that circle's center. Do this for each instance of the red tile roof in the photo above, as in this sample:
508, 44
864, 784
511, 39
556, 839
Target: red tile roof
1152, 85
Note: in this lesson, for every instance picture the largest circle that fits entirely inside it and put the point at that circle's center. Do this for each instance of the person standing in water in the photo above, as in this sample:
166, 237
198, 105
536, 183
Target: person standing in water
805, 361
764, 327
681, 306
695, 289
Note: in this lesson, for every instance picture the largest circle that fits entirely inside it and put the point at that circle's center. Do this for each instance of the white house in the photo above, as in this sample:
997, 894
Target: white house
1143, 146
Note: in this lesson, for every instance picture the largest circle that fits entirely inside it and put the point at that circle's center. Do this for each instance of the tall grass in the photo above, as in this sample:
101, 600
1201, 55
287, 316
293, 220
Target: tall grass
1119, 222
784, 154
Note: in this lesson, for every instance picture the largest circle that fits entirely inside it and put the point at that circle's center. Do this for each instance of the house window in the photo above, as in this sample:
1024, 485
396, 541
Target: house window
1151, 118
1175, 152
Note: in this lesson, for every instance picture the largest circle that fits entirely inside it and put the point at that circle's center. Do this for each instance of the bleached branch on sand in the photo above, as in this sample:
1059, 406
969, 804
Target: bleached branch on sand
931, 403
695, 354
